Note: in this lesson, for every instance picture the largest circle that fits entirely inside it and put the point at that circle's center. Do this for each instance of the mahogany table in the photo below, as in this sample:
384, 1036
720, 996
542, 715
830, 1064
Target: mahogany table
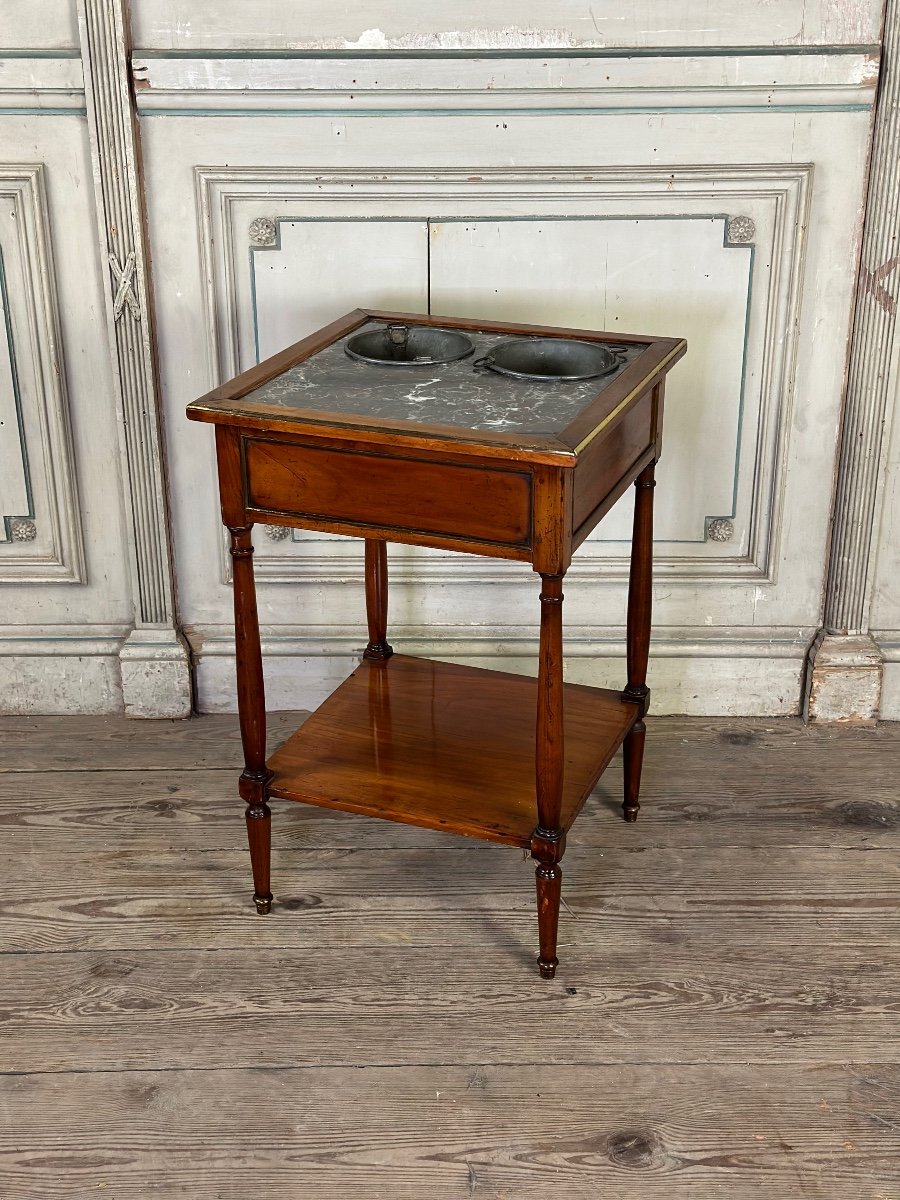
463, 458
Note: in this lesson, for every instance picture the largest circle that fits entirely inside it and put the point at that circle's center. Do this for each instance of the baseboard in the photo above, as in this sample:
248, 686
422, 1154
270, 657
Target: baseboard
156, 674
55, 670
890, 686
844, 679
692, 672
60, 670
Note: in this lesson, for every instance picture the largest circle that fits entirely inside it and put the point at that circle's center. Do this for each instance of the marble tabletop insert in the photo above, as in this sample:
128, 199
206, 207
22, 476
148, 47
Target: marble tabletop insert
452, 394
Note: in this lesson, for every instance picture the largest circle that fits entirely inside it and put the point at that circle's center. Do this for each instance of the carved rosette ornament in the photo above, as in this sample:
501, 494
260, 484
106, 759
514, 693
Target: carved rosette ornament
262, 232
719, 529
278, 533
22, 529
740, 230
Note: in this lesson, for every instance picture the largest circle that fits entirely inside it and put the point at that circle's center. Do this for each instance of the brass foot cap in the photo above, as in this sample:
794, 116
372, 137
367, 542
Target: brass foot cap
630, 815
378, 651
263, 904
547, 969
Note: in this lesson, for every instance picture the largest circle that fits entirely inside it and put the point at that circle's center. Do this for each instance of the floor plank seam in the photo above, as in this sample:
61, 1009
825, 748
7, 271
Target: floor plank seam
613, 1064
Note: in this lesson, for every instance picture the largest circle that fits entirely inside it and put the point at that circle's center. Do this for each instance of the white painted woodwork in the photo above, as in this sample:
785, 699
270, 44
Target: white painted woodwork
890, 682
14, 496
844, 682
463, 25
655, 199
50, 25
862, 563
885, 612
745, 609
48, 83
886, 592
269, 83
568, 164
39, 517
65, 594
155, 669
380, 262
670, 276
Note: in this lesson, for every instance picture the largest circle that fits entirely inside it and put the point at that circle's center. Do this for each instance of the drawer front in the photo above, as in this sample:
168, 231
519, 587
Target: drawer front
603, 463
348, 488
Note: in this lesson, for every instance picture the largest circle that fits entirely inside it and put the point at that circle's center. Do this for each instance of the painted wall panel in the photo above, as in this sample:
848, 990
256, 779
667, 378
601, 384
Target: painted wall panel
48, 25
776, 197
14, 490
745, 607
886, 556
316, 270
65, 589
372, 25
688, 168
40, 527
670, 277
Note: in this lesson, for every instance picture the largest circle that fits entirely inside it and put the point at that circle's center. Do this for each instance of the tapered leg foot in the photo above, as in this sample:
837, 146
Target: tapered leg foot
633, 759
549, 886
259, 835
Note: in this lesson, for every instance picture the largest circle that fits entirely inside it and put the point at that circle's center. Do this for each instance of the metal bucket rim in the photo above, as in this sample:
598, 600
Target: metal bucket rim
468, 347
490, 364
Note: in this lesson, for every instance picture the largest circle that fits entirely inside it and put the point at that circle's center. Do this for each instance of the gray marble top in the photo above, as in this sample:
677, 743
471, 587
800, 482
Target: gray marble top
446, 394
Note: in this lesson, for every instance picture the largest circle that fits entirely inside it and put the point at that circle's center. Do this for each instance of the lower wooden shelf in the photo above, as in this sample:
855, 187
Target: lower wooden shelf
446, 747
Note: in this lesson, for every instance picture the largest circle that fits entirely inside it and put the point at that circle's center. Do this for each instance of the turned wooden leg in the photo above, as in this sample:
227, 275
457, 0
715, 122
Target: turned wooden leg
548, 841
259, 837
549, 886
377, 600
252, 710
640, 589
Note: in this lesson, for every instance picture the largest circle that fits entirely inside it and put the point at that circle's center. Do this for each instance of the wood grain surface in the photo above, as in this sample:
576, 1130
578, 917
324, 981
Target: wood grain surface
484, 504
447, 747
723, 1024
504, 1132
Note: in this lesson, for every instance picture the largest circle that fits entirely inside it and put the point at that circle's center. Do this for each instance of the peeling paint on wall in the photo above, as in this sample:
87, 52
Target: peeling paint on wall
509, 38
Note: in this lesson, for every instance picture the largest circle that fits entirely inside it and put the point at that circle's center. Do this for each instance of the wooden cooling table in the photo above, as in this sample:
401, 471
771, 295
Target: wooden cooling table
460, 459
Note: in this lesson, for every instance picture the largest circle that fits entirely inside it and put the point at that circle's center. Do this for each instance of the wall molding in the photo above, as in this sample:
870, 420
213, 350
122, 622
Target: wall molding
888, 642
869, 379
868, 398
278, 85
84, 638
778, 193
692, 668
34, 554
103, 28
61, 669
513, 641
32, 83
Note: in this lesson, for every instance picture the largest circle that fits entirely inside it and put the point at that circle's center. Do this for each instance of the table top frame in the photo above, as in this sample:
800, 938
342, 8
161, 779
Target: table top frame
225, 405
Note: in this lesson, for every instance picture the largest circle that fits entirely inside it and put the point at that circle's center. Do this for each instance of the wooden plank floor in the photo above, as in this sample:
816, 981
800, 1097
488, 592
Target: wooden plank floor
724, 1022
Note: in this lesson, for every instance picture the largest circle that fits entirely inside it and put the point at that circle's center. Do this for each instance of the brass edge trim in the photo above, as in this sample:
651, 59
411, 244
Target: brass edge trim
562, 455
676, 352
